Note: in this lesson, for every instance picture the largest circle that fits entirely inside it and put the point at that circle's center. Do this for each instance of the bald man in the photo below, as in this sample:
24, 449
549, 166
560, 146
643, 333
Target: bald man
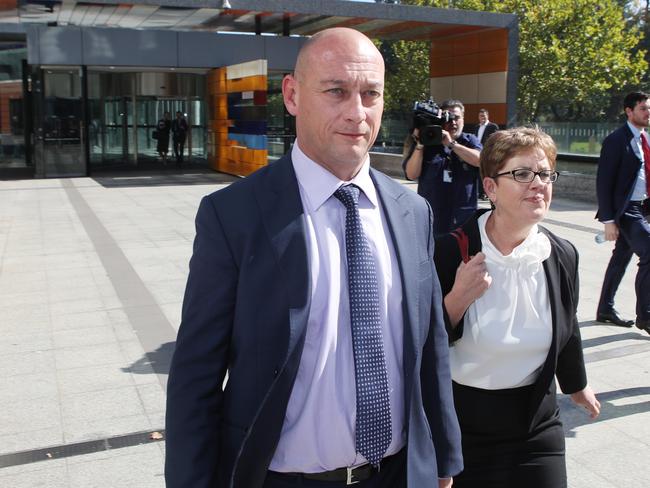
312, 287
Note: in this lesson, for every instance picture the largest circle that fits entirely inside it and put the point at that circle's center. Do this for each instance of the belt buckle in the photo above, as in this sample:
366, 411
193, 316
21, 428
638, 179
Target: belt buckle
350, 477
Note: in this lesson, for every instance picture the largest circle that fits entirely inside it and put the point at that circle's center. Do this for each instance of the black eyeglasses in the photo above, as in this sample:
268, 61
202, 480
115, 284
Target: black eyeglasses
523, 175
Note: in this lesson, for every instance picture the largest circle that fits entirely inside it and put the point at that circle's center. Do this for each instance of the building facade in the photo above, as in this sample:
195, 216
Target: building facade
83, 85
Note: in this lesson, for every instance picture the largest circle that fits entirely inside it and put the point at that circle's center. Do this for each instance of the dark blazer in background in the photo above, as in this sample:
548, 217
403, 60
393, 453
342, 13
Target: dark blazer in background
618, 169
565, 358
490, 129
245, 312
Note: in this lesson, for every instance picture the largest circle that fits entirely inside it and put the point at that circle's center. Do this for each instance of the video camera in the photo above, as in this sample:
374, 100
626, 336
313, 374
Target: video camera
429, 118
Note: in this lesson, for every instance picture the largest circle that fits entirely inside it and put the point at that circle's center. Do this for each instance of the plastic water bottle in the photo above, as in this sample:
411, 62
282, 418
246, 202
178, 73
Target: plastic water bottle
600, 238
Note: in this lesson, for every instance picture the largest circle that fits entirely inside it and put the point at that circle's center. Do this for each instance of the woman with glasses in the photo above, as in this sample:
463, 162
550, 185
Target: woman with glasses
511, 316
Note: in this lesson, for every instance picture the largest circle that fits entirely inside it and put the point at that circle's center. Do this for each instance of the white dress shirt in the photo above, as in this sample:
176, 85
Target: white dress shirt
639, 192
481, 131
507, 331
318, 433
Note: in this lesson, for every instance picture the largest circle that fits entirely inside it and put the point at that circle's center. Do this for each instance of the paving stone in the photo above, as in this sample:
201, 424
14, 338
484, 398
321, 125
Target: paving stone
75, 302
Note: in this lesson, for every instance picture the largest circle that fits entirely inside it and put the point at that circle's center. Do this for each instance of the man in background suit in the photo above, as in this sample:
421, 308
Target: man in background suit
271, 299
485, 128
483, 131
623, 186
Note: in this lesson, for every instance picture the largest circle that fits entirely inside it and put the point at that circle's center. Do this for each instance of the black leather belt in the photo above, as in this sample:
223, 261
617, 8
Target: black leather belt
349, 476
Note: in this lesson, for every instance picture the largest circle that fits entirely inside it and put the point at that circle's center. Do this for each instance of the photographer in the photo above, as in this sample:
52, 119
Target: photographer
446, 170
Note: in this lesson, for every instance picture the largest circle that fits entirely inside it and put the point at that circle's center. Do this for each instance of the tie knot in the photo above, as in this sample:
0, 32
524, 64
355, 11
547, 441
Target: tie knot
349, 195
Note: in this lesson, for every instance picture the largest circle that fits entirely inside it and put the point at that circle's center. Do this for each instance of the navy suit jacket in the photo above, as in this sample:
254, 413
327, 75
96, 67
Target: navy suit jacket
618, 169
490, 129
245, 314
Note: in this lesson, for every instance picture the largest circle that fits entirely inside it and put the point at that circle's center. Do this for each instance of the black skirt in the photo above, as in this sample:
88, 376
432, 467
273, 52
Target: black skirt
500, 447
163, 142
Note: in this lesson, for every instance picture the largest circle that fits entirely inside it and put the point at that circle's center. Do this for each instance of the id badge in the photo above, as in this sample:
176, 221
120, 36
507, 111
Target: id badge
446, 176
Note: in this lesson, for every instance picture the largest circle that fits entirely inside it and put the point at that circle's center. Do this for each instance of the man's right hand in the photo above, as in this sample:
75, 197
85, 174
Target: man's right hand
611, 231
446, 138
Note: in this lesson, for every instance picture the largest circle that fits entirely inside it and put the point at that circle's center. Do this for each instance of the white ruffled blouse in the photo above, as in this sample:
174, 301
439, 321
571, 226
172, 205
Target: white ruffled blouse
507, 331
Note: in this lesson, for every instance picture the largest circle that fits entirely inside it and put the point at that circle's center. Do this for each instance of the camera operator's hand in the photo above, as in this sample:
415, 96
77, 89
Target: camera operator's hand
446, 138
466, 154
413, 162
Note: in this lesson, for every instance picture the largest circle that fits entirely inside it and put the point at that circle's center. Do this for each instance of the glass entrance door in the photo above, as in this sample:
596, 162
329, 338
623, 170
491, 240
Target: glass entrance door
62, 123
149, 110
108, 134
124, 110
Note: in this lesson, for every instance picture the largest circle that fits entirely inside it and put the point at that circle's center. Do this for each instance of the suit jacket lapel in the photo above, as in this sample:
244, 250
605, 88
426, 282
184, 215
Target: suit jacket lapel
401, 225
283, 217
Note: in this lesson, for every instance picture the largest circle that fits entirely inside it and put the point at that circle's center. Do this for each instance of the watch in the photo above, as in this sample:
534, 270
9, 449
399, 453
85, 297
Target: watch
419, 146
452, 144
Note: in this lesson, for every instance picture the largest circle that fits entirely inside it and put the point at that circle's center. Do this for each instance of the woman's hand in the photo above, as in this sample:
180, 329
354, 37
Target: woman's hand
587, 399
472, 280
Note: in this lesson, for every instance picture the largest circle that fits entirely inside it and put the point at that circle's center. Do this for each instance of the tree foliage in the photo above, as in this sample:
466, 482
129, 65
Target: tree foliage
572, 53
407, 73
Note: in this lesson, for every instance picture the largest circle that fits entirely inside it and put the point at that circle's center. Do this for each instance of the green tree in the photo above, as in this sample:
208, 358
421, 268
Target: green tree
407, 73
571, 53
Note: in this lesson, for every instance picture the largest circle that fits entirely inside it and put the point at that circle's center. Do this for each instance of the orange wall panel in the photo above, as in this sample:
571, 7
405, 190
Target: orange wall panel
225, 154
442, 48
466, 64
493, 40
493, 61
249, 83
497, 112
8, 4
455, 54
441, 67
466, 45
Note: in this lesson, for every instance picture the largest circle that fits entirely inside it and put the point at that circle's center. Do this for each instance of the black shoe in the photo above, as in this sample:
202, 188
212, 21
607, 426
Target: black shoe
643, 324
613, 318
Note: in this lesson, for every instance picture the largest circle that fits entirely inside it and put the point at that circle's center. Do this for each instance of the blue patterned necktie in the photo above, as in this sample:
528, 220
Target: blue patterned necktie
373, 429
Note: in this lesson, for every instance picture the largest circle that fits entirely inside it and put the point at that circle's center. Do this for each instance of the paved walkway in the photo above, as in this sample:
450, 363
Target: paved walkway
92, 272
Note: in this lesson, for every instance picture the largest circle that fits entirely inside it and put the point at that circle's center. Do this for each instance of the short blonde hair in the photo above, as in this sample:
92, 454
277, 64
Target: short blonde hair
505, 144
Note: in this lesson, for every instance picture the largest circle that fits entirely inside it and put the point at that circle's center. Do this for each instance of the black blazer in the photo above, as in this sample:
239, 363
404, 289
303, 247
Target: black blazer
490, 129
245, 312
618, 169
565, 359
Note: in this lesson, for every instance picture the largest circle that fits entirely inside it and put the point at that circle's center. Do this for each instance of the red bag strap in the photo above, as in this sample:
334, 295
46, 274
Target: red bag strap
463, 243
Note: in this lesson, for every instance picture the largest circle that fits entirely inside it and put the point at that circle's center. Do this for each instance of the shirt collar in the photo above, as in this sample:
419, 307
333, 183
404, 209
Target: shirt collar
319, 184
635, 131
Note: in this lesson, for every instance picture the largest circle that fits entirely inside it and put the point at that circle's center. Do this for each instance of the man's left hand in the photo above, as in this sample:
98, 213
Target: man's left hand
445, 482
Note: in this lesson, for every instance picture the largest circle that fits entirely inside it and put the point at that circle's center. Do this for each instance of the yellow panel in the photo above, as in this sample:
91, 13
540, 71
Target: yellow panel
250, 83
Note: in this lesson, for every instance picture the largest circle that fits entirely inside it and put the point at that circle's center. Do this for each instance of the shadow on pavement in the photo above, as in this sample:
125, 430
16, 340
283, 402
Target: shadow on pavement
599, 341
164, 177
158, 360
574, 416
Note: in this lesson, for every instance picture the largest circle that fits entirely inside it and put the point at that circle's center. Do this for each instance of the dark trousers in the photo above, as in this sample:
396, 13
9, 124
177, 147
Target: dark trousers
179, 146
500, 450
633, 238
391, 475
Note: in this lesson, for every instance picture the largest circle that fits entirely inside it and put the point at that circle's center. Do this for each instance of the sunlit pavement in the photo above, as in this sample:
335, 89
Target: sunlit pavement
92, 273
